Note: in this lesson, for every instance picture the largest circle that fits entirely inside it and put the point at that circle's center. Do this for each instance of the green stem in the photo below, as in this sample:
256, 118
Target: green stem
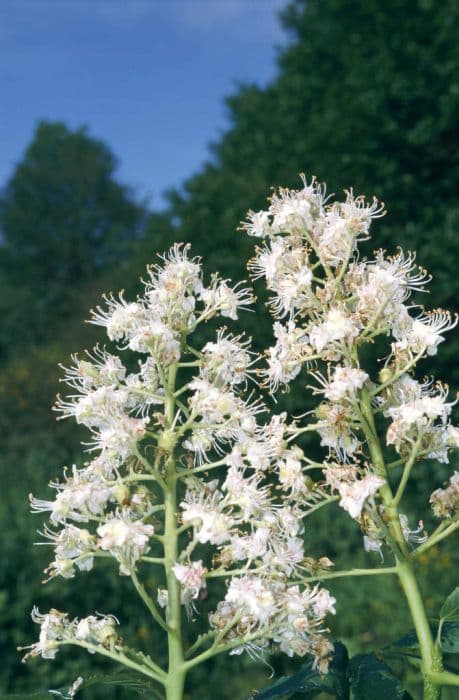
321, 504
352, 572
219, 649
204, 468
399, 373
176, 671
148, 601
202, 639
444, 678
430, 654
157, 673
437, 537
407, 470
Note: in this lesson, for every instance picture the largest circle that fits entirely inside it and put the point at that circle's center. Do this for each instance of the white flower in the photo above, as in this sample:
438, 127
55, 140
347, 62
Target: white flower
226, 300
353, 495
95, 408
76, 499
336, 239
323, 603
179, 274
121, 319
121, 436
227, 361
445, 502
336, 327
359, 213
295, 211
417, 535
54, 628
102, 368
426, 331
251, 593
246, 492
269, 262
97, 630
288, 273
285, 554
191, 577
259, 224
158, 338
291, 471
125, 539
73, 547
373, 544
204, 511
344, 383
335, 432
250, 546
286, 357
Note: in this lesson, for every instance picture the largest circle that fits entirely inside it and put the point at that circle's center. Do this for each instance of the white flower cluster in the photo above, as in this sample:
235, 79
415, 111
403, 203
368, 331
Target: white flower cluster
292, 618
57, 629
420, 415
155, 323
354, 493
445, 502
254, 523
327, 303
189, 476
250, 515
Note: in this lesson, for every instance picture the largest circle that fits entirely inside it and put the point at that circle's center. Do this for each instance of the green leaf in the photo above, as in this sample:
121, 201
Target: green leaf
372, 679
39, 695
308, 682
129, 681
449, 639
408, 641
450, 608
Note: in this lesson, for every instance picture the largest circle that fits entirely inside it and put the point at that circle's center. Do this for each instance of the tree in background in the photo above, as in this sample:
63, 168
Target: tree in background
367, 93
64, 219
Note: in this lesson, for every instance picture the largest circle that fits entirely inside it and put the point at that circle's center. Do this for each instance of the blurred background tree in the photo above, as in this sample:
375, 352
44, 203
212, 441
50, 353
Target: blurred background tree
367, 95
64, 220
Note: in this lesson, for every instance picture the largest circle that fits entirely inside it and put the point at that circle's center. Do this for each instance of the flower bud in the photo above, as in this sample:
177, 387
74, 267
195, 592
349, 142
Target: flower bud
322, 410
121, 493
384, 375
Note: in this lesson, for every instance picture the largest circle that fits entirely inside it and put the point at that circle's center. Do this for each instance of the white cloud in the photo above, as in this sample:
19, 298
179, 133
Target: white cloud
245, 18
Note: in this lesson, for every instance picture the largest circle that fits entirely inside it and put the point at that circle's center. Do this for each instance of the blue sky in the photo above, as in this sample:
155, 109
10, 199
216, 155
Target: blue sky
146, 76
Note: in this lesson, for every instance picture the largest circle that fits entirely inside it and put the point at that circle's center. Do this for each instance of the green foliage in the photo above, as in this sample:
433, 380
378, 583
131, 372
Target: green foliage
63, 219
450, 608
308, 682
449, 639
130, 682
363, 677
371, 679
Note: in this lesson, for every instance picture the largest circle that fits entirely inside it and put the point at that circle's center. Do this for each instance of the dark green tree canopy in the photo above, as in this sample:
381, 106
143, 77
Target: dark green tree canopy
367, 95
63, 218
